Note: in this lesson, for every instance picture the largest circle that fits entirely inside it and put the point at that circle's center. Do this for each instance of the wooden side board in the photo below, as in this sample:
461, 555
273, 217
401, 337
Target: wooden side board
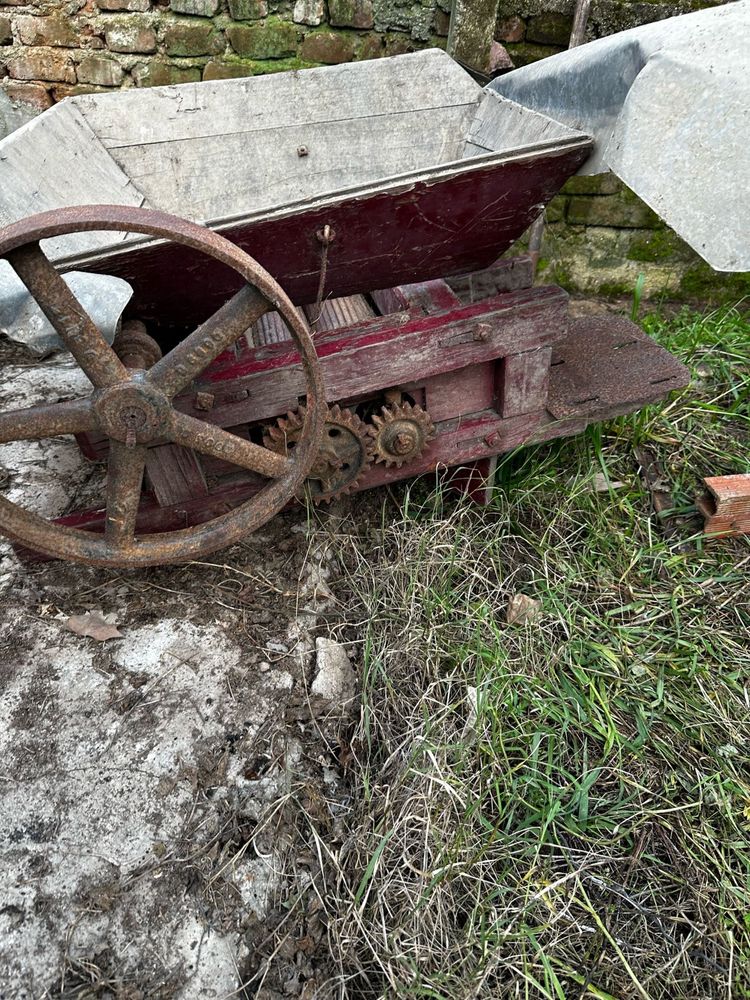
447, 223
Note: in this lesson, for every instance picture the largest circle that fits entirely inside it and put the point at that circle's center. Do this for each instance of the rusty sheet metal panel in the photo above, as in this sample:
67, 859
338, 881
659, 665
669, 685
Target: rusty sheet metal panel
606, 362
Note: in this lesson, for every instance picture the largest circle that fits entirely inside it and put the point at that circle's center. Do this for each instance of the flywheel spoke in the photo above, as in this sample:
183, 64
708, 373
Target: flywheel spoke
124, 480
46, 421
219, 332
70, 320
211, 440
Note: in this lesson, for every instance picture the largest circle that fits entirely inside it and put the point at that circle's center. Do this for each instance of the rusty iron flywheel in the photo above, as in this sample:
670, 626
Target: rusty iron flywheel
134, 408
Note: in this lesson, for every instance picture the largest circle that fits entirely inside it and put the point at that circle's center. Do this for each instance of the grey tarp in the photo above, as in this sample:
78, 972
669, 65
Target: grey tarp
668, 105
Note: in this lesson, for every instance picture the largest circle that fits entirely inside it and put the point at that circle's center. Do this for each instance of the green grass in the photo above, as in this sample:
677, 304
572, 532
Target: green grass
560, 808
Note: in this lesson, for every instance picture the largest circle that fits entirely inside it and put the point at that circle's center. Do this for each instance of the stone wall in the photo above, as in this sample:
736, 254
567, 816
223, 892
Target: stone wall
54, 48
599, 237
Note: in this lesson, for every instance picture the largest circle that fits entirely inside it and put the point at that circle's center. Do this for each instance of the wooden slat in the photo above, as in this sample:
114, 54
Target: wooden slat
270, 329
523, 382
56, 161
231, 147
337, 313
429, 296
175, 474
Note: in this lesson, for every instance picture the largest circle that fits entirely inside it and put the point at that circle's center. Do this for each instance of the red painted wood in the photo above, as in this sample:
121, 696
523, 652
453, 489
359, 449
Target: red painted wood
383, 353
430, 296
426, 230
476, 480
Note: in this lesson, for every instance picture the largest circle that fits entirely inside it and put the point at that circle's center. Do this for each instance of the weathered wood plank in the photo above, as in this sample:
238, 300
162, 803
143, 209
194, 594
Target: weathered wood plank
418, 81
206, 179
57, 161
175, 474
337, 313
429, 296
380, 355
523, 381
501, 124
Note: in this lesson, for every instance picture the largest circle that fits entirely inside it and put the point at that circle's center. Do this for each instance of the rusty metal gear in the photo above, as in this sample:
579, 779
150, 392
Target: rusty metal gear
400, 433
346, 450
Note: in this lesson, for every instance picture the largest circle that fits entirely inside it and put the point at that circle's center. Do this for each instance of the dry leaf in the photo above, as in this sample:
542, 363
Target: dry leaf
523, 609
94, 625
600, 483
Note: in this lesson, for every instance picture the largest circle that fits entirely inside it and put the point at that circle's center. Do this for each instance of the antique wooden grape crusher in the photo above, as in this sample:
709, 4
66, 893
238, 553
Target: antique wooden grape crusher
303, 337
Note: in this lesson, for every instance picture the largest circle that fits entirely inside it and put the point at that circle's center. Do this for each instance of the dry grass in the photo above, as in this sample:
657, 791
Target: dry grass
558, 808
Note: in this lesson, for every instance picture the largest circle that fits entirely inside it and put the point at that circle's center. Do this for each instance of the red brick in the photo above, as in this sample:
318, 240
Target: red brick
130, 35
43, 64
33, 94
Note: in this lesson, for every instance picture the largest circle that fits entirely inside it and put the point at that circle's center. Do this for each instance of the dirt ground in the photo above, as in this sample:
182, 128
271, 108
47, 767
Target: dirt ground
157, 788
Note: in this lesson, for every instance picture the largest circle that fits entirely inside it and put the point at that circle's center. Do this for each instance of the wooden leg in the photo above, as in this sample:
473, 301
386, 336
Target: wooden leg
476, 481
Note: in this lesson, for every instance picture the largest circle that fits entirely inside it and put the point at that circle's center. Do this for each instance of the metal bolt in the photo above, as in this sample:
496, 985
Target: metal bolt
302, 150
204, 400
403, 443
482, 332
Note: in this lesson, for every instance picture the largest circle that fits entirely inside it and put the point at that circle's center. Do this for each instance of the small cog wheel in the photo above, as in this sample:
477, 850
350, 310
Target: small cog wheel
345, 453
400, 433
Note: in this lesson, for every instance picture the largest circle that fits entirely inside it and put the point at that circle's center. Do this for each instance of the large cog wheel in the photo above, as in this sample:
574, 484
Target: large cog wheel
400, 433
346, 450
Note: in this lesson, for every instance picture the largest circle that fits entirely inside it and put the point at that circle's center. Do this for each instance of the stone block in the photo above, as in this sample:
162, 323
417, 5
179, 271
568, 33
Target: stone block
371, 47
131, 34
63, 90
442, 22
157, 73
189, 38
415, 18
53, 30
351, 13
32, 94
6, 35
227, 71
311, 12
613, 211
397, 44
271, 40
248, 10
593, 184
510, 29
201, 8
43, 64
555, 210
327, 47
499, 58
550, 29
525, 53
101, 71
126, 5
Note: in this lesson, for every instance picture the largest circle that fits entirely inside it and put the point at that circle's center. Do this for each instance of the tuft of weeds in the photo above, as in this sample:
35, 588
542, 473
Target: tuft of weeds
558, 808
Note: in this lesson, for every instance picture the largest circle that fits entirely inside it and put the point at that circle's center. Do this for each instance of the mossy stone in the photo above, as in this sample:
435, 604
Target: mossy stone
274, 39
